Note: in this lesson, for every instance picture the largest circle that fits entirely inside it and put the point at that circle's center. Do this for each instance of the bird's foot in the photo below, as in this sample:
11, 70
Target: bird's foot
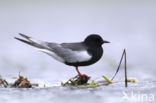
77, 80
82, 79
83, 75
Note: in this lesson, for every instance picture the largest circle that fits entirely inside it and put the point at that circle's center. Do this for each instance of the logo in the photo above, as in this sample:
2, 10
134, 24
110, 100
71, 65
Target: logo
137, 96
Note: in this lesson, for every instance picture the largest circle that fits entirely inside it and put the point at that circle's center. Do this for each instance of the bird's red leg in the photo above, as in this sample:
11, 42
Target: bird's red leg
79, 72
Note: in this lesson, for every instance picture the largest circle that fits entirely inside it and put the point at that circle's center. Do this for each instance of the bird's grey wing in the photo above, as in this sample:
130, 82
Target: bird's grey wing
69, 53
40, 45
31, 41
80, 46
62, 52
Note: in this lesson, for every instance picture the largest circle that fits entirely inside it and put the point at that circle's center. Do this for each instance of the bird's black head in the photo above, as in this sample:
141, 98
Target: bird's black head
95, 40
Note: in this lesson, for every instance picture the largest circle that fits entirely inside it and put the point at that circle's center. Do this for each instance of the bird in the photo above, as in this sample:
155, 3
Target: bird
84, 53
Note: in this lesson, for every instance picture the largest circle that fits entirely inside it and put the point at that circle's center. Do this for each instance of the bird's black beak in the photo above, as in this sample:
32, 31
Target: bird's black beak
104, 41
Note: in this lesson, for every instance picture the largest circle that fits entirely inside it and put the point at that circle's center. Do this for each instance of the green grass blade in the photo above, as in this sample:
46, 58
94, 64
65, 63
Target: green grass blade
109, 81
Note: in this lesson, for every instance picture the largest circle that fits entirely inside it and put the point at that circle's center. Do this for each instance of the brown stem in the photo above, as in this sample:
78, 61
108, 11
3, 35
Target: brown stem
119, 65
126, 85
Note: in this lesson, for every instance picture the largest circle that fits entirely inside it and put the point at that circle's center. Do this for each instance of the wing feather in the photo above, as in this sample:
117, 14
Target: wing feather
66, 54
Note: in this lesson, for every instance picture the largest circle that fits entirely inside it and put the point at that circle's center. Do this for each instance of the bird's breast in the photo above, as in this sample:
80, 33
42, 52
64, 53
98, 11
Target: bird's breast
96, 54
